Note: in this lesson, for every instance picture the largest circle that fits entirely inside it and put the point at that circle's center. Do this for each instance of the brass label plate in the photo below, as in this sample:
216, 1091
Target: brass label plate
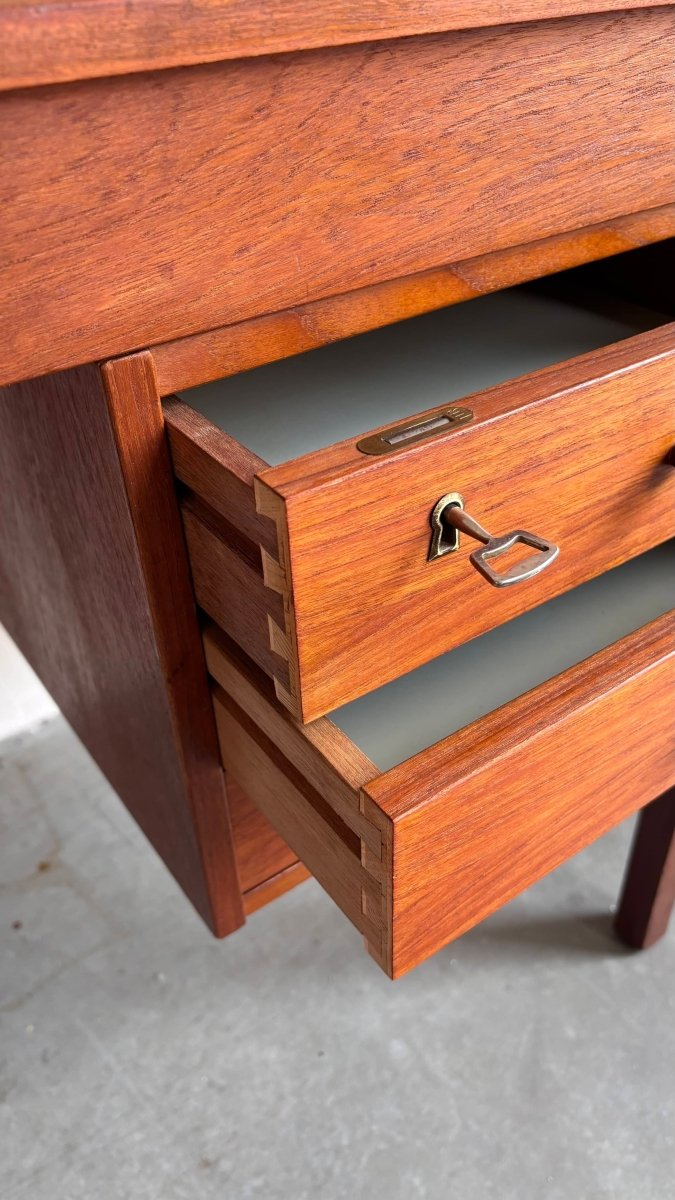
401, 437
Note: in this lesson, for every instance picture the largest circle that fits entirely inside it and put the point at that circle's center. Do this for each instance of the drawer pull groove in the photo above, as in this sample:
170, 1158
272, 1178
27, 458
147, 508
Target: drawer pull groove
401, 437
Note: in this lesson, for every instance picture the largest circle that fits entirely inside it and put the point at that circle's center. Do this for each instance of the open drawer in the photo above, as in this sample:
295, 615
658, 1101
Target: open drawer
428, 804
310, 539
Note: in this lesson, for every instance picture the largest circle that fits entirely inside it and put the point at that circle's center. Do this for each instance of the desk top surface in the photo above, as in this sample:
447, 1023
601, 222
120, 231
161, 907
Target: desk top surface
62, 40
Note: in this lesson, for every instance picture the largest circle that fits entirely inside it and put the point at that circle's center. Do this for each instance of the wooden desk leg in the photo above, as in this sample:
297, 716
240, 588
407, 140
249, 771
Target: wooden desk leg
95, 589
649, 886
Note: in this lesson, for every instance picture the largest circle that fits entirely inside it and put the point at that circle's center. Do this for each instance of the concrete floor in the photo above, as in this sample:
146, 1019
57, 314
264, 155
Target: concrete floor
141, 1060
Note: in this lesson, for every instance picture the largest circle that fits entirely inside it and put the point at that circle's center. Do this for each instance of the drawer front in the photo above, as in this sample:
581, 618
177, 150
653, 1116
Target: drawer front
577, 454
417, 855
248, 187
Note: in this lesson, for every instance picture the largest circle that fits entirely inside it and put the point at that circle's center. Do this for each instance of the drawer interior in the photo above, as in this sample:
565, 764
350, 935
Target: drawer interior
406, 716
303, 404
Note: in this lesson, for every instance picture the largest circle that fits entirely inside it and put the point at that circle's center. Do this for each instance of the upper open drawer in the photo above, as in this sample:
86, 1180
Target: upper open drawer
310, 538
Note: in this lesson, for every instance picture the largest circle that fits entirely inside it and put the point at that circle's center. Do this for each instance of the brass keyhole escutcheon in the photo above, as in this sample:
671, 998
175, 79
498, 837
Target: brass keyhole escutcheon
449, 518
444, 538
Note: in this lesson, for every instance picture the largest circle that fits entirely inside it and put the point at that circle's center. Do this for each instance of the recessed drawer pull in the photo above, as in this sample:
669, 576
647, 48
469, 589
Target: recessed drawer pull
401, 437
449, 519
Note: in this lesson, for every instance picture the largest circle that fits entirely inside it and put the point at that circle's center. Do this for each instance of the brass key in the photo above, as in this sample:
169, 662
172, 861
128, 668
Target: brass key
449, 519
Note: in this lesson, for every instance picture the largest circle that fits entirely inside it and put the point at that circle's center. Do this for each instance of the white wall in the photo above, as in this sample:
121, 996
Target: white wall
23, 700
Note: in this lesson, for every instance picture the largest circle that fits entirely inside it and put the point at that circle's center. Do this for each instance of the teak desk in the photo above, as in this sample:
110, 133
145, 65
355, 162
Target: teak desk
192, 193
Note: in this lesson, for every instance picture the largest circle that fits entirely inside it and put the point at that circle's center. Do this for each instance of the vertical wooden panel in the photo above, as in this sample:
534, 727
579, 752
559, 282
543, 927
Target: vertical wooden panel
95, 589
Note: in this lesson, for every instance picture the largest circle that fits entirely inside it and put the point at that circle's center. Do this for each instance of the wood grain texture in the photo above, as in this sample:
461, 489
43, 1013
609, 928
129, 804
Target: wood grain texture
95, 590
599, 426
218, 353
648, 893
345, 167
483, 814
78, 39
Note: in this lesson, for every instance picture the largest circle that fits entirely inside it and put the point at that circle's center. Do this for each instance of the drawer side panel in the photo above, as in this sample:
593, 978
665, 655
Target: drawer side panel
305, 820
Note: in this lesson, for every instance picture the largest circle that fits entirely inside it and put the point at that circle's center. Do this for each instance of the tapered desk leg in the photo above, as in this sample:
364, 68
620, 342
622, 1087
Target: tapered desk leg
649, 886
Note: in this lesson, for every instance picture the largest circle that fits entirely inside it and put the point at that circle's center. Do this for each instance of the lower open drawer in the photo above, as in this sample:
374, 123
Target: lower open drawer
428, 804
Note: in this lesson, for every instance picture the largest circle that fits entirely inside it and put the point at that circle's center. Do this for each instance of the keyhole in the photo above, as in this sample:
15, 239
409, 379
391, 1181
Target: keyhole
444, 537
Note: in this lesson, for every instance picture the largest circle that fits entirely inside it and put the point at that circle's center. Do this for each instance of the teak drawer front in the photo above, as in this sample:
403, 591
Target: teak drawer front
417, 855
189, 198
348, 600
